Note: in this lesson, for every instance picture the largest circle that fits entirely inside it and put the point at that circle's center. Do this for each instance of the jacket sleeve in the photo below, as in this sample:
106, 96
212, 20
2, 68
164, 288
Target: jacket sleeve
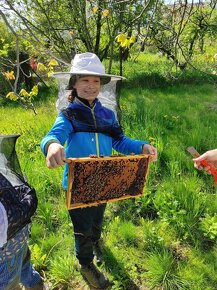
58, 133
126, 145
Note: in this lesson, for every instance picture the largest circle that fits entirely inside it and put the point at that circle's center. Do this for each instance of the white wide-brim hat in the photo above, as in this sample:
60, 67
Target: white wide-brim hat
87, 64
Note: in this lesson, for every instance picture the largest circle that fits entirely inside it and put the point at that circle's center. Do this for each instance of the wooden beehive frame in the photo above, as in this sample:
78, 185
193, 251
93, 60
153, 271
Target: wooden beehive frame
92, 181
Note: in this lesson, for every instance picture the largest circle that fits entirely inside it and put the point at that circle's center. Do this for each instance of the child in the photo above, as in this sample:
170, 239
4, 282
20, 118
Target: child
88, 128
18, 203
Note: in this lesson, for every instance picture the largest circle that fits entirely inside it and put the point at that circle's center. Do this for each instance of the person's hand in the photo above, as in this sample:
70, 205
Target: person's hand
149, 149
210, 157
55, 155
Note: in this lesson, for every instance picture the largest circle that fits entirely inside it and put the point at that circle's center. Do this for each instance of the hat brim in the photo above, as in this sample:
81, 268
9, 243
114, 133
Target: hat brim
105, 78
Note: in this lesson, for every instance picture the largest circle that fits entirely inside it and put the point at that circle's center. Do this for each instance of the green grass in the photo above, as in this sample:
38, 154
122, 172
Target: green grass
163, 240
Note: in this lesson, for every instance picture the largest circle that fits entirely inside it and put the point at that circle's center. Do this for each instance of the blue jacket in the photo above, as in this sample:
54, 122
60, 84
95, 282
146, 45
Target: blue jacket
89, 131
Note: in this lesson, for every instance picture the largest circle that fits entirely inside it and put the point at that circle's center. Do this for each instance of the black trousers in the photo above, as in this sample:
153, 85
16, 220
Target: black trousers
87, 224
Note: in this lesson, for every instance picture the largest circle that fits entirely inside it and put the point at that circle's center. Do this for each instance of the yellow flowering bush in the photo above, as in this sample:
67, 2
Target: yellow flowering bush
12, 96
34, 91
23, 94
53, 62
49, 69
9, 75
41, 67
125, 41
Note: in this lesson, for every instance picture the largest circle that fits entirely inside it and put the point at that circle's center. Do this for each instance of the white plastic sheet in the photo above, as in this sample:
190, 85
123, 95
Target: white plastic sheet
3, 225
7, 172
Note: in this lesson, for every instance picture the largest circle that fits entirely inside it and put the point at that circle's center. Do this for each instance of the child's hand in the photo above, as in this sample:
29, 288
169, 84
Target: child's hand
149, 149
55, 155
210, 157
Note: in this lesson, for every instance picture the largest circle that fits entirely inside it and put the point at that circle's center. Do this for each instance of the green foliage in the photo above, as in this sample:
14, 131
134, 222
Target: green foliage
200, 270
6, 40
182, 205
5, 87
209, 226
161, 271
153, 239
63, 269
78, 26
182, 32
38, 257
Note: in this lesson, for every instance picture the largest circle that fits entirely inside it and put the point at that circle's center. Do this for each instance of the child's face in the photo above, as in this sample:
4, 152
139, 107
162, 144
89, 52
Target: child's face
88, 87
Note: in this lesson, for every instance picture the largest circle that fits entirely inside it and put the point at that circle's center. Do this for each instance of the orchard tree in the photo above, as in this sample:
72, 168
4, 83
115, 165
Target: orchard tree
61, 28
16, 72
181, 30
64, 27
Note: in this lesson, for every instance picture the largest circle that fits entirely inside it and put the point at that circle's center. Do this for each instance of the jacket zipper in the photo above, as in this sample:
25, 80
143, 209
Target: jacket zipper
94, 120
96, 134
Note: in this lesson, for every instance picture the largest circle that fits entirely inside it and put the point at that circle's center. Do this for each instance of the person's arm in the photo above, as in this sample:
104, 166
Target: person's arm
52, 144
209, 156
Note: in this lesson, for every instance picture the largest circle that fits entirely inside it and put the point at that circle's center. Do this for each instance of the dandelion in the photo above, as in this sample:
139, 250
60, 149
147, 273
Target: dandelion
95, 10
72, 32
152, 140
105, 13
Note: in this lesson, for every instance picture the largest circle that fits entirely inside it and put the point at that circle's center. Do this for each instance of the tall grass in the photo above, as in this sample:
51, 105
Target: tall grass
163, 240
